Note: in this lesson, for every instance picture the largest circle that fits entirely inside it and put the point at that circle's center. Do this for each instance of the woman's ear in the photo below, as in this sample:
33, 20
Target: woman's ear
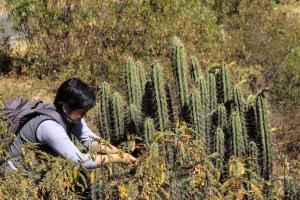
65, 108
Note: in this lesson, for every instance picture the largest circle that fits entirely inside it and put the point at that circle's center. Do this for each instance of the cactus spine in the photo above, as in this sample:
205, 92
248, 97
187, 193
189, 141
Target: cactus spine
220, 149
238, 146
160, 97
149, 131
179, 66
104, 111
118, 118
265, 137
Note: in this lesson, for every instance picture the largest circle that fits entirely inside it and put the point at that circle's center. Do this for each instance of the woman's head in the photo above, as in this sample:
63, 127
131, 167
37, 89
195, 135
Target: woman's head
74, 97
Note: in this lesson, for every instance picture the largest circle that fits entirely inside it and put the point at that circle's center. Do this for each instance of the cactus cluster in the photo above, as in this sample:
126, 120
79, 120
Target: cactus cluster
209, 104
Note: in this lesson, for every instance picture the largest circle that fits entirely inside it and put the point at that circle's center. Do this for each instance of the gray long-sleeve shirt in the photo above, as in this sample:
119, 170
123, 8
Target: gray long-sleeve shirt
49, 133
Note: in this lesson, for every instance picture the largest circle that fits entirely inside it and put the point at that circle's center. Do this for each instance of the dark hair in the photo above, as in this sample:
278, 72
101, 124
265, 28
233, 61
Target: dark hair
76, 94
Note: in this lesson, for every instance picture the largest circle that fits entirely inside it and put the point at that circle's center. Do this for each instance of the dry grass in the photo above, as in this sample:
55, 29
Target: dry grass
2, 6
30, 88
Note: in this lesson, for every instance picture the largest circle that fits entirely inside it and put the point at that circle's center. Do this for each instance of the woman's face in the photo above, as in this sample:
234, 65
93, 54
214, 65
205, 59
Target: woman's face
75, 115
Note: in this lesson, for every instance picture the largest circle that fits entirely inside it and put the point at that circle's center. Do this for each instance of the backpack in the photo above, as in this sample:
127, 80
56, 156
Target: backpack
19, 111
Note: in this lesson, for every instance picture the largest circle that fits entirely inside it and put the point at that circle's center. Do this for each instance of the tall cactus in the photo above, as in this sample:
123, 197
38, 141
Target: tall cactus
212, 92
238, 146
222, 116
220, 149
133, 83
104, 111
265, 137
141, 77
160, 97
226, 84
180, 72
195, 70
134, 119
240, 107
238, 99
251, 119
197, 114
253, 156
149, 131
202, 87
118, 118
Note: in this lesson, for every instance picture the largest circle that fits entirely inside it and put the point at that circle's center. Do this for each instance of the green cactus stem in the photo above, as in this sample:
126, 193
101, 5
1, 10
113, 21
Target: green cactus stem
265, 138
253, 156
212, 93
195, 70
220, 149
180, 72
160, 97
134, 119
238, 146
196, 114
226, 84
149, 131
118, 118
239, 104
133, 82
141, 77
251, 119
104, 111
222, 116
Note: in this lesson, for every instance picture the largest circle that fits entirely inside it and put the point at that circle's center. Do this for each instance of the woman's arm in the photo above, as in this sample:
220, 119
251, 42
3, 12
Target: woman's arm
54, 135
92, 141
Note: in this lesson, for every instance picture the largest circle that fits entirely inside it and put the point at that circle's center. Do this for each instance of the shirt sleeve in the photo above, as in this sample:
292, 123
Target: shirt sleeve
84, 134
55, 136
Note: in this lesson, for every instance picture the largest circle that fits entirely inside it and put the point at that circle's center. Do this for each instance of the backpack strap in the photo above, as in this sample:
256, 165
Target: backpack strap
53, 114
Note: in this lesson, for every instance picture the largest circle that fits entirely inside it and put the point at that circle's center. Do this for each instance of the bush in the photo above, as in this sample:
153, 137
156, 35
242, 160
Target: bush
92, 38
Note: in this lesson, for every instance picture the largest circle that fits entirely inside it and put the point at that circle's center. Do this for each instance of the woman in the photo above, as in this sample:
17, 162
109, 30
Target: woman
73, 100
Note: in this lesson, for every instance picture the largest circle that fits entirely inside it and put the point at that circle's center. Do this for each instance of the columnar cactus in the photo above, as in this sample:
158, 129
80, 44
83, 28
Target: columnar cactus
226, 85
220, 149
212, 93
238, 99
265, 137
134, 119
118, 118
222, 116
133, 83
104, 111
251, 119
240, 107
141, 77
238, 146
195, 70
160, 97
253, 156
202, 87
149, 131
180, 72
197, 114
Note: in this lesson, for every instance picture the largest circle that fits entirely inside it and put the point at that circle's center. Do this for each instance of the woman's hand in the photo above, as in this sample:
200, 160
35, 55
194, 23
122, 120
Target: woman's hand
125, 158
